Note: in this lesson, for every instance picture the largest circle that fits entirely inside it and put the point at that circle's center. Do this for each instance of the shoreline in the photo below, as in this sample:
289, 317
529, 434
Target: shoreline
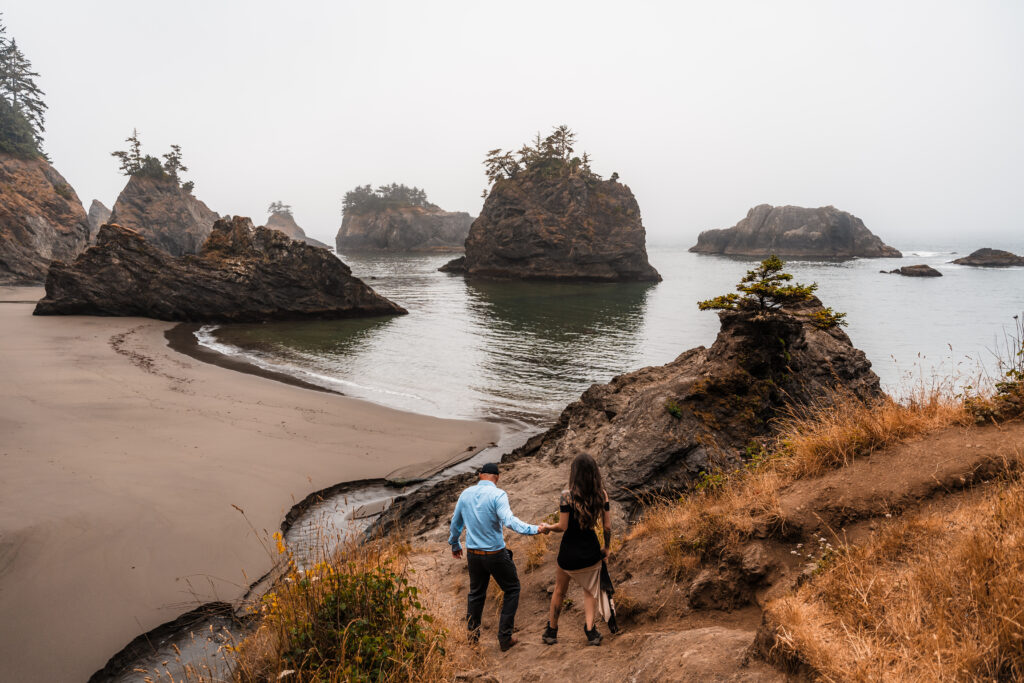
124, 460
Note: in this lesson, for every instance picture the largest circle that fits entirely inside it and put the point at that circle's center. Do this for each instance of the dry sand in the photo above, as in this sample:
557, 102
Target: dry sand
120, 461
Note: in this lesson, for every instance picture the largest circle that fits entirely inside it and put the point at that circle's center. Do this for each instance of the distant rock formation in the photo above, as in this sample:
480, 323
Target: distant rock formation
165, 214
656, 429
285, 222
992, 258
243, 274
561, 228
920, 270
795, 231
98, 215
41, 218
403, 228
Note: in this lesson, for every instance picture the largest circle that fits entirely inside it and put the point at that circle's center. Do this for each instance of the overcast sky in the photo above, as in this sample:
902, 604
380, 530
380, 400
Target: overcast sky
907, 114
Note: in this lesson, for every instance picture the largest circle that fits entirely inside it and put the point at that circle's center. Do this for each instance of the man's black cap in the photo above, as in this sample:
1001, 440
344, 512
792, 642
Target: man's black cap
489, 468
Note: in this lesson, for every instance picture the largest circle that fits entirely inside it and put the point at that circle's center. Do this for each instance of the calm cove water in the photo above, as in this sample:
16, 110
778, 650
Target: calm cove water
517, 353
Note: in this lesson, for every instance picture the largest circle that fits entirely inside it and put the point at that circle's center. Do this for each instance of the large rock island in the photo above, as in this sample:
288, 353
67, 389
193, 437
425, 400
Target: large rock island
281, 218
168, 215
795, 231
991, 258
548, 216
41, 218
242, 274
399, 218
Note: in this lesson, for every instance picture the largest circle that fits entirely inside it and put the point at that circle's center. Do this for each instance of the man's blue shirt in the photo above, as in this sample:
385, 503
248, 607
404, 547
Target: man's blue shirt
483, 510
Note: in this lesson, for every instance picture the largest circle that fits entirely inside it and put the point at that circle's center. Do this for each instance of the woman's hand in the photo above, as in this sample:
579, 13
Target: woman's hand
606, 553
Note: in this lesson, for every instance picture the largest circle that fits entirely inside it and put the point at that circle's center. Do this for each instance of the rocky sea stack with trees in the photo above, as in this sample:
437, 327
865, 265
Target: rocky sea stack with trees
398, 218
242, 274
549, 216
795, 231
157, 203
281, 218
41, 217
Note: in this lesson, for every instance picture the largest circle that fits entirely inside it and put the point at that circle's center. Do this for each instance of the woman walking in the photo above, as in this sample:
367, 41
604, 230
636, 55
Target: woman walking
580, 556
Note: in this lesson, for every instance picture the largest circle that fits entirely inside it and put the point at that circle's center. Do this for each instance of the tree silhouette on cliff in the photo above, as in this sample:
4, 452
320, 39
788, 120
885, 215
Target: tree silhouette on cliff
364, 198
136, 164
549, 157
22, 109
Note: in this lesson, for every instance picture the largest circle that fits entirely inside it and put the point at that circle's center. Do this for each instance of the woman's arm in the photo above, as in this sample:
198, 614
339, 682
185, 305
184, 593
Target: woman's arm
606, 524
563, 516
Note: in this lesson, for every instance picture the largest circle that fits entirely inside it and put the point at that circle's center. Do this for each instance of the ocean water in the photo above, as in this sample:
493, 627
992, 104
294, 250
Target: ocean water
518, 352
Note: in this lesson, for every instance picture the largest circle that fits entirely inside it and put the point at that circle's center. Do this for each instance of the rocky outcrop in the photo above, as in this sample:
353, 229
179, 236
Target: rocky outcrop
794, 231
41, 218
98, 215
656, 429
243, 274
564, 228
992, 258
403, 228
285, 222
920, 270
165, 214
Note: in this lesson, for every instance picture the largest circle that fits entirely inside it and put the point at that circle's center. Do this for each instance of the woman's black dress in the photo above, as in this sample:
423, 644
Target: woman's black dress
580, 548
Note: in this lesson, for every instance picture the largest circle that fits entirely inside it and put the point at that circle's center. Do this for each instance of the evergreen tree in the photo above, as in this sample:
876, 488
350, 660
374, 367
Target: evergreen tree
131, 159
24, 100
279, 207
172, 162
550, 157
135, 163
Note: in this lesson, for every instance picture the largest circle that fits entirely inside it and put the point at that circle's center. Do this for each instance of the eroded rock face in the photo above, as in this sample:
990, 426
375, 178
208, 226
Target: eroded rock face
407, 228
243, 274
41, 218
166, 215
992, 258
920, 270
795, 231
285, 222
98, 215
656, 429
557, 229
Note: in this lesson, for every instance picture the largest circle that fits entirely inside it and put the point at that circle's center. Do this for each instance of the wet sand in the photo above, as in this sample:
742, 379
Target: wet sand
121, 462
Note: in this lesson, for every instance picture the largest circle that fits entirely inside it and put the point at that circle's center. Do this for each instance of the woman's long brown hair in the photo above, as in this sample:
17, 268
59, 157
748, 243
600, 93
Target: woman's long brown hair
586, 490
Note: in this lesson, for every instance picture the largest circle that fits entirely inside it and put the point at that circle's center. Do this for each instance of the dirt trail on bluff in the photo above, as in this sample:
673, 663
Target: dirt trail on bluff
664, 637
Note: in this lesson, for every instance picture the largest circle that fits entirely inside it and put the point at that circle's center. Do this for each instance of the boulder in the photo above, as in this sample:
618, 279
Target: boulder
98, 215
656, 429
164, 213
560, 228
243, 274
403, 228
285, 222
41, 218
920, 270
795, 231
992, 258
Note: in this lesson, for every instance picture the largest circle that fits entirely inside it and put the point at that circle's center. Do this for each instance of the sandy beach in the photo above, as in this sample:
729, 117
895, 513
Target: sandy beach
121, 462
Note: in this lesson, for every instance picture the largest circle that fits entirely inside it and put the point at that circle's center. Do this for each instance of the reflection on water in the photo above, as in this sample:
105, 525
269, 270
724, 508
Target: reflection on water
520, 351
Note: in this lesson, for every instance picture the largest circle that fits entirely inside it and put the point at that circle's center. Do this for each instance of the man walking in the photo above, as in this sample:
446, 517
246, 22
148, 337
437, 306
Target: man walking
483, 510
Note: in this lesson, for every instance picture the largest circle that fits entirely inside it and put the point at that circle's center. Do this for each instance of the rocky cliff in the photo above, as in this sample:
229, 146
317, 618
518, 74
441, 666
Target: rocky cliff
164, 213
658, 428
564, 228
795, 231
243, 274
41, 218
285, 222
404, 228
993, 258
98, 215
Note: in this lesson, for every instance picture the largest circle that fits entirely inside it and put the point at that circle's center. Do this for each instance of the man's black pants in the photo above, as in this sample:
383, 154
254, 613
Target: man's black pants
481, 569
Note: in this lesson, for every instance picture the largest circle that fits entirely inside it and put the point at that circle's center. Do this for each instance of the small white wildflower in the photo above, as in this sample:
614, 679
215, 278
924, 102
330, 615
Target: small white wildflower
286, 672
887, 514
793, 552
799, 545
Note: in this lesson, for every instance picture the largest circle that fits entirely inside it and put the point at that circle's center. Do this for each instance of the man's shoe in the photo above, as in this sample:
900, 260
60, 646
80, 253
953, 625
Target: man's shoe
507, 645
550, 636
593, 637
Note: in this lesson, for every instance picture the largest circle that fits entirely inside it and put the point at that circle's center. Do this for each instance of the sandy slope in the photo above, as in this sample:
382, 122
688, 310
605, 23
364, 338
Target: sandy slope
120, 461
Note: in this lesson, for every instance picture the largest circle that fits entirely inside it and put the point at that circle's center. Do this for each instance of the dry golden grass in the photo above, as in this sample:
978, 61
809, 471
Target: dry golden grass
932, 597
730, 507
537, 548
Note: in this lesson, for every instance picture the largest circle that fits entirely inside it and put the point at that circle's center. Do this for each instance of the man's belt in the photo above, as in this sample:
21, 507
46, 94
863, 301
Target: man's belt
474, 551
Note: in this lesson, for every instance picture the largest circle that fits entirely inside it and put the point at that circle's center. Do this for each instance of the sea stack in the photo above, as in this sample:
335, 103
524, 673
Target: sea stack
281, 219
98, 215
399, 219
242, 274
548, 216
41, 218
167, 214
991, 258
798, 232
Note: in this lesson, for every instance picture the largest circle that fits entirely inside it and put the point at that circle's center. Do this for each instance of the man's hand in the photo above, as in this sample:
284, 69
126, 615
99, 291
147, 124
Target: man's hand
457, 553
543, 529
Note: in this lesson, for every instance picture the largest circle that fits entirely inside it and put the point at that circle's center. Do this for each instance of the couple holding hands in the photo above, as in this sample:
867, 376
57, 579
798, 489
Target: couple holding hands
483, 511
